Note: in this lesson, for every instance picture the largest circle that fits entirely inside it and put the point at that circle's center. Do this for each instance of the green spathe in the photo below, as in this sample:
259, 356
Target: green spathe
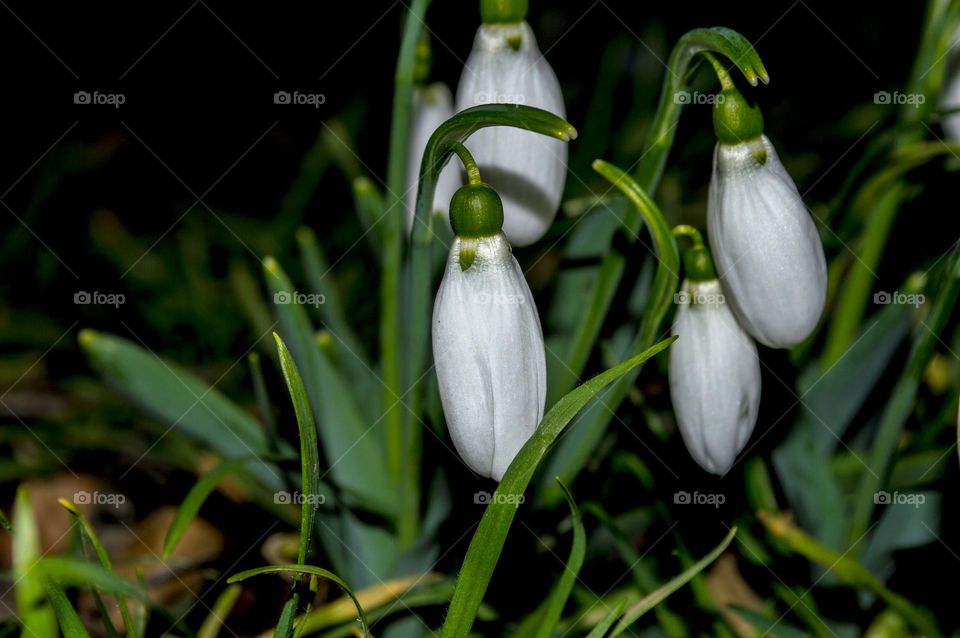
698, 264
503, 11
734, 120
476, 211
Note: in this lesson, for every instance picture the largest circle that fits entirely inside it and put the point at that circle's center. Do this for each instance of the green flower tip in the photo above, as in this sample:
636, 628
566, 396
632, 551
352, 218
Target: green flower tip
86, 338
476, 211
503, 11
698, 264
270, 264
423, 60
734, 120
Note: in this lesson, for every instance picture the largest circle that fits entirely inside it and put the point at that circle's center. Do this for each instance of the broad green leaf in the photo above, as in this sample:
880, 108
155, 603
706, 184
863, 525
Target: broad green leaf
830, 399
70, 623
181, 400
35, 614
902, 526
312, 571
352, 451
488, 540
656, 597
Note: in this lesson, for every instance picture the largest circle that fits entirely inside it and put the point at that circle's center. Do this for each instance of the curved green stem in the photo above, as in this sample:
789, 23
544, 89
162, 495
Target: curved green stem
469, 164
685, 230
726, 82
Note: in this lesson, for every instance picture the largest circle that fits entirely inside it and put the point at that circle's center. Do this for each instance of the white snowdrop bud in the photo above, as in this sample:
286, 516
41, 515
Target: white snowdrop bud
714, 376
432, 106
765, 245
487, 343
527, 169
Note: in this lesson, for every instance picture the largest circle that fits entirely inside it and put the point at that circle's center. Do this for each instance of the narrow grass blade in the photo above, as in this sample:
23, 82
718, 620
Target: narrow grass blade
309, 454
180, 399
656, 597
91, 537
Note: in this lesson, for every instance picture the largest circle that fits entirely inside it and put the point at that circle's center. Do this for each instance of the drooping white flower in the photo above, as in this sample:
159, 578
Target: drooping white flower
432, 106
765, 245
527, 169
714, 376
487, 348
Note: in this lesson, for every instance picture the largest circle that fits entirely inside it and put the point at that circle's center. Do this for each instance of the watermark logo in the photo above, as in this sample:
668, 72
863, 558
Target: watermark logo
298, 498
486, 498
685, 298
912, 99
296, 298
899, 498
698, 498
498, 299
898, 298
98, 498
95, 298
99, 99
485, 97
297, 98
696, 97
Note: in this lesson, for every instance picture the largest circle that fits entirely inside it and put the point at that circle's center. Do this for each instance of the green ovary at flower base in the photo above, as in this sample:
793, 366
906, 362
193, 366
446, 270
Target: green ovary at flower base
714, 369
767, 250
506, 67
487, 342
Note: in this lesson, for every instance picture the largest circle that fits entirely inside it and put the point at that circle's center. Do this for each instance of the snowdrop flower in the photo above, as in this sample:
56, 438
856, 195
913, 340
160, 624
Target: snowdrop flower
487, 343
527, 169
766, 247
432, 106
714, 370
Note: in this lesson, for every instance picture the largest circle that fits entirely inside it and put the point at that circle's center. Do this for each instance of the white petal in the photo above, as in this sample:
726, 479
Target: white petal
949, 100
527, 169
489, 355
765, 245
714, 377
432, 106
